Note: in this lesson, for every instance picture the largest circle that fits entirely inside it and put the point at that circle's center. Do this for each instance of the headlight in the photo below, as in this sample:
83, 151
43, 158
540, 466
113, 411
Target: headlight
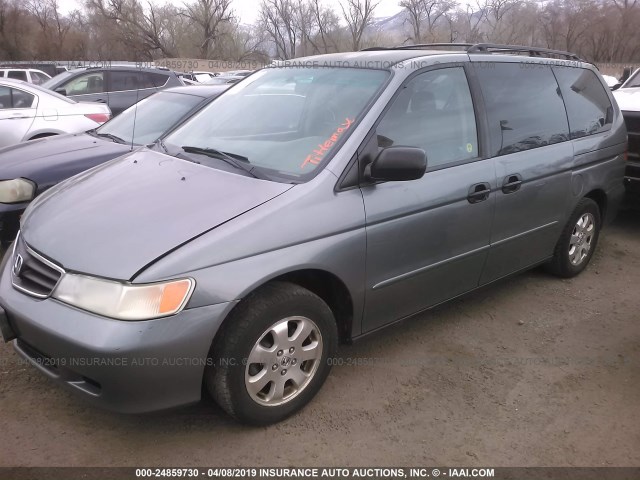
16, 190
124, 301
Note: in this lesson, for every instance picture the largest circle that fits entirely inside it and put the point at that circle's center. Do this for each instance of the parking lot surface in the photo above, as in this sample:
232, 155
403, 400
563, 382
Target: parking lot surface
532, 371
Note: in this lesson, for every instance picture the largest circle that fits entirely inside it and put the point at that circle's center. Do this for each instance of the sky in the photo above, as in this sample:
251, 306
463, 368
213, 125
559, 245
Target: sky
247, 9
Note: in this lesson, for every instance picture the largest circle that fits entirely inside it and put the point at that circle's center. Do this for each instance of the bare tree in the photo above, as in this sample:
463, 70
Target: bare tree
328, 24
277, 17
143, 30
425, 13
358, 14
210, 16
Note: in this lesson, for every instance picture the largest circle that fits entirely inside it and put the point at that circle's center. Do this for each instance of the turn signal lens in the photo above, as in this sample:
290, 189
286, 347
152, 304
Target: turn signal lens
173, 295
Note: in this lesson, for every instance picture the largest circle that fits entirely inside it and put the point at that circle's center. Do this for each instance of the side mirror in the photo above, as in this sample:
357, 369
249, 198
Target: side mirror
61, 91
398, 164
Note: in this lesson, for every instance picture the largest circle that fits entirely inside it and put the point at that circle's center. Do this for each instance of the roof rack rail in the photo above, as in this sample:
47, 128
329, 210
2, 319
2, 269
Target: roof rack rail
532, 51
487, 48
419, 46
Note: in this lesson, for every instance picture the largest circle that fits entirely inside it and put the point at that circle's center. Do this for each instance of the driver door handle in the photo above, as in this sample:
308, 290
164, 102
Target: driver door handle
512, 183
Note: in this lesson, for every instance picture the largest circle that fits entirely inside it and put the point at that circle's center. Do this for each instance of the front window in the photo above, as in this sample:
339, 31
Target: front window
86, 84
284, 121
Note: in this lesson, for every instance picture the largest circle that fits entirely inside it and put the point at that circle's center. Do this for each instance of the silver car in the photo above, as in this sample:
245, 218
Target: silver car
312, 203
29, 111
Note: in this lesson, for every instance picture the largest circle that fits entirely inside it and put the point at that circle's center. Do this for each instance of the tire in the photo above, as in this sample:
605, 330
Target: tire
259, 377
573, 252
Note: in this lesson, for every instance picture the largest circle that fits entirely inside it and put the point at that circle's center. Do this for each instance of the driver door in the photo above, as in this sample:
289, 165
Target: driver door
427, 239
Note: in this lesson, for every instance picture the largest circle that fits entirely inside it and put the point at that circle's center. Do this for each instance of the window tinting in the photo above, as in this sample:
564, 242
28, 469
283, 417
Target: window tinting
153, 80
524, 106
434, 112
132, 80
123, 81
12, 98
21, 99
5, 98
588, 105
18, 75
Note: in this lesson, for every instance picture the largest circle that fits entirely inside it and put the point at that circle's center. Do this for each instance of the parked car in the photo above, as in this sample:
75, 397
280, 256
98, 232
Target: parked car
238, 251
117, 86
200, 77
38, 165
237, 73
223, 80
610, 80
628, 98
30, 75
28, 111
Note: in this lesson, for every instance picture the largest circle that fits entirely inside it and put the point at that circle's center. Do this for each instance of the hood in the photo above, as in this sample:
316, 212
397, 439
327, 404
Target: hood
116, 219
49, 160
628, 99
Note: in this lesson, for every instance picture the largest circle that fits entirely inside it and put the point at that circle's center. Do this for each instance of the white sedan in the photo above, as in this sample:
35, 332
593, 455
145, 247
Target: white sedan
28, 111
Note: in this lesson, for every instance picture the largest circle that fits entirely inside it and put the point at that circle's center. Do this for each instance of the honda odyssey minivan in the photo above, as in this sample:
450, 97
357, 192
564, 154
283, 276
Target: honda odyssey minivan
318, 200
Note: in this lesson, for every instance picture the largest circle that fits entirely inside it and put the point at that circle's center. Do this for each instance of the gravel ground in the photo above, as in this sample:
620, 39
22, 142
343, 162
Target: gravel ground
533, 371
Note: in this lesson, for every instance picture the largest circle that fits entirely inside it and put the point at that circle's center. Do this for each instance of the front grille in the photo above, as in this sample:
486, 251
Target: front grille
32, 273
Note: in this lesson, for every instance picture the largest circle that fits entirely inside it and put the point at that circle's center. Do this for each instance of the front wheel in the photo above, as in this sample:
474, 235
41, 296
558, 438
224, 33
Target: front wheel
271, 356
578, 240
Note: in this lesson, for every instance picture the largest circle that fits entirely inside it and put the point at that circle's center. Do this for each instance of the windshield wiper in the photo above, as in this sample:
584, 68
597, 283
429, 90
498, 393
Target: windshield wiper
238, 161
111, 137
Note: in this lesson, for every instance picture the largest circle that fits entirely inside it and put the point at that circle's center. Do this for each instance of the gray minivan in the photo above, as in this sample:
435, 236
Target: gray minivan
318, 200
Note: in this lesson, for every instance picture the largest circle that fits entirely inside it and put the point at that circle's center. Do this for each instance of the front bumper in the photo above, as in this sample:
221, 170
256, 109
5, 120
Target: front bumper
123, 366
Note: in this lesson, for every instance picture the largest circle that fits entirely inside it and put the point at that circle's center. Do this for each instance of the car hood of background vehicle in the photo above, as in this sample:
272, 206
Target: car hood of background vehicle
628, 99
118, 218
51, 159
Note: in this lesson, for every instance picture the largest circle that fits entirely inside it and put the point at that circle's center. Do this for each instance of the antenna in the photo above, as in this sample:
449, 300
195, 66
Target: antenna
135, 110
140, 85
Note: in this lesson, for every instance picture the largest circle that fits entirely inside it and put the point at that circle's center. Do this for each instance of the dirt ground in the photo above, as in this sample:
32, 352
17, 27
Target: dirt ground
534, 371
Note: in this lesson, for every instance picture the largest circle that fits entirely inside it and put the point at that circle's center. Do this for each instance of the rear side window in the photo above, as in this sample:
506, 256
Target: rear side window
524, 106
588, 105
12, 98
123, 81
38, 78
18, 75
131, 80
153, 80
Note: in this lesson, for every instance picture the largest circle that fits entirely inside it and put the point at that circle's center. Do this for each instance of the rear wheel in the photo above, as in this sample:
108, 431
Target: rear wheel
271, 356
578, 240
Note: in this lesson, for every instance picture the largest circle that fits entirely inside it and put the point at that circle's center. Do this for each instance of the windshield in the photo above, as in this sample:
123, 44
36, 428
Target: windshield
634, 80
153, 117
286, 121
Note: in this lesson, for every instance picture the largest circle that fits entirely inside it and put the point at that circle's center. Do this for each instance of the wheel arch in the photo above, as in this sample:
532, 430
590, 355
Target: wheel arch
600, 197
326, 285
